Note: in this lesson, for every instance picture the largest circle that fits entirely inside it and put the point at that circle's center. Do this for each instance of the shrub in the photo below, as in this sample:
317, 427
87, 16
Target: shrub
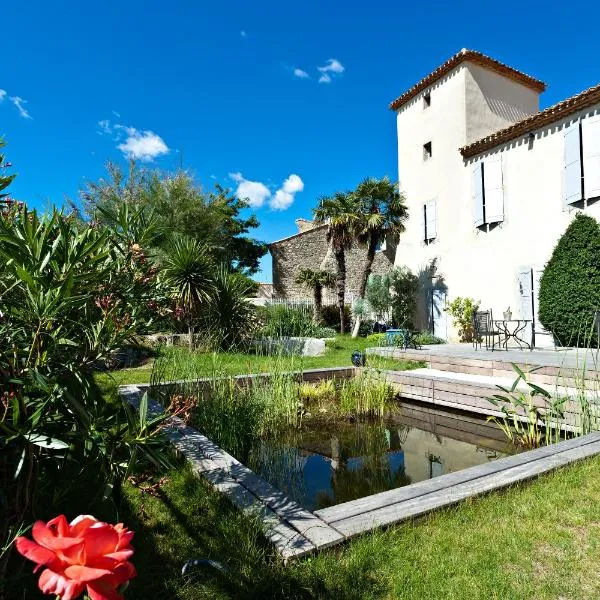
378, 295
570, 284
462, 310
330, 316
425, 338
375, 339
324, 332
404, 285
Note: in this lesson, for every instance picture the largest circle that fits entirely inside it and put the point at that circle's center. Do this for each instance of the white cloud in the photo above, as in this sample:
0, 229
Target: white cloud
2, 95
243, 33
300, 73
114, 112
139, 145
325, 78
284, 196
257, 193
105, 127
254, 192
333, 66
19, 102
142, 145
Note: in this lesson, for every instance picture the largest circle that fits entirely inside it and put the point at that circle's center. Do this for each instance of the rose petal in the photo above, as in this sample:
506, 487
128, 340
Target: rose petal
85, 574
81, 523
120, 556
102, 590
47, 537
122, 573
38, 554
51, 582
99, 539
59, 525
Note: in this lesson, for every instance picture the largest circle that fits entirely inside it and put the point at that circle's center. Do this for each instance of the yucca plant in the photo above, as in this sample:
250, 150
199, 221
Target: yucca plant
189, 272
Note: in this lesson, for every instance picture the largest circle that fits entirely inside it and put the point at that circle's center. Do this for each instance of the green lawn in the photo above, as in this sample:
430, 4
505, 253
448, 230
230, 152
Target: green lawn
337, 354
539, 540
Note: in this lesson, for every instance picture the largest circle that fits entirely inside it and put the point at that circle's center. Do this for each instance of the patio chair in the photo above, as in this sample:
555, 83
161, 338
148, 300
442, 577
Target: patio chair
483, 329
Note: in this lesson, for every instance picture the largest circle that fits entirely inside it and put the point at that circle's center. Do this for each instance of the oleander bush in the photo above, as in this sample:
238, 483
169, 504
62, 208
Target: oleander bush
570, 284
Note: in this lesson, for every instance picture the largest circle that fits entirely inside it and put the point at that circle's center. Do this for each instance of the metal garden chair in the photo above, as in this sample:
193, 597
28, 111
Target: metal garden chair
483, 329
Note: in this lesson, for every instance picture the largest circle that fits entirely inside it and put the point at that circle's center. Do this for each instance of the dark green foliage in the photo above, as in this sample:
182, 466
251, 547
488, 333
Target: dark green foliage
280, 320
5, 180
330, 316
570, 285
213, 218
404, 285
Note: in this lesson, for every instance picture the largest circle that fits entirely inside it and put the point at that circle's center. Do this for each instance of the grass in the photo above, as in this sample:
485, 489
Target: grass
337, 354
539, 540
535, 541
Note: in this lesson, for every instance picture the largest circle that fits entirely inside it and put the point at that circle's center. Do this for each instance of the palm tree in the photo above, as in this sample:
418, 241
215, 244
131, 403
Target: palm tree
340, 213
189, 271
316, 281
382, 215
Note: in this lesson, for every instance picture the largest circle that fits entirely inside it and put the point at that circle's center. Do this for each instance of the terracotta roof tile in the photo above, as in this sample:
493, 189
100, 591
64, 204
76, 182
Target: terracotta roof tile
474, 57
545, 117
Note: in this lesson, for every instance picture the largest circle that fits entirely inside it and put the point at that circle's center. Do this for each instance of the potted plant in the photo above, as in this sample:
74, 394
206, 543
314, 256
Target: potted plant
507, 314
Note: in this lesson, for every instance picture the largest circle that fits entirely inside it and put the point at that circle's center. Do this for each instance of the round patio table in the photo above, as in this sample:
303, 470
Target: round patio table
512, 329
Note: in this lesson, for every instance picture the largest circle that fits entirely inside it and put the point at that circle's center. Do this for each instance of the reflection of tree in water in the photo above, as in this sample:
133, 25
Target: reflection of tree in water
372, 446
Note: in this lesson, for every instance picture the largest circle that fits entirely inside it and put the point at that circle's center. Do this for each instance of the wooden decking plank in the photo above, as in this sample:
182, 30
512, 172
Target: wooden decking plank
287, 540
363, 505
423, 504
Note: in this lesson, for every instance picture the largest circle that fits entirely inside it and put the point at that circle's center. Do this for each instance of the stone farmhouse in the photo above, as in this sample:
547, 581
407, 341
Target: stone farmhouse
491, 183
308, 249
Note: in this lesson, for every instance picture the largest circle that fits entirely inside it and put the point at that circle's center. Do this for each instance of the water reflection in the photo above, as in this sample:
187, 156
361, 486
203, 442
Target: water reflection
329, 463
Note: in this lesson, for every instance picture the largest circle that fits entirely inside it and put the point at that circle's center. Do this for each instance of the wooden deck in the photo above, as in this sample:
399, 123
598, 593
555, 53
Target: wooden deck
296, 532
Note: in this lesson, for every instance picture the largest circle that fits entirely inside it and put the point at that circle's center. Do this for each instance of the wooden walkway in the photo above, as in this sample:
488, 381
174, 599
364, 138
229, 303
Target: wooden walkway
295, 531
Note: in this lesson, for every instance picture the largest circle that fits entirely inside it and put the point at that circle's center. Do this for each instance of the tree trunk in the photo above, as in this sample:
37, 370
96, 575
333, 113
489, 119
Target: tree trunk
371, 249
318, 305
340, 282
191, 336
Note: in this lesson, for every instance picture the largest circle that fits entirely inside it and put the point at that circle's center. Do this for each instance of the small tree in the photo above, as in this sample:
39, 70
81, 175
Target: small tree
570, 285
404, 285
378, 295
462, 310
189, 271
316, 280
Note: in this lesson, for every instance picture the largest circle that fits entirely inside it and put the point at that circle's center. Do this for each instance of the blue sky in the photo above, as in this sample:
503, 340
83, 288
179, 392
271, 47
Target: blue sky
218, 87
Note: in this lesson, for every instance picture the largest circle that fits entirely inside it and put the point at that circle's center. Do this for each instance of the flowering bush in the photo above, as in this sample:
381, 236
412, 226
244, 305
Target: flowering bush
84, 555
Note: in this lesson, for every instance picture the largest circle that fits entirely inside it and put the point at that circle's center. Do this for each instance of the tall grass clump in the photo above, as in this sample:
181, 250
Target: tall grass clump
533, 416
366, 395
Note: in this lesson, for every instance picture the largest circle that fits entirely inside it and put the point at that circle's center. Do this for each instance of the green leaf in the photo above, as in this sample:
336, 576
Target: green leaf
144, 411
43, 441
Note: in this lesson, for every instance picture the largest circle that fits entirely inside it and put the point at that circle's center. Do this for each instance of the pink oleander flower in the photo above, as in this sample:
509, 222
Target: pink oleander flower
84, 555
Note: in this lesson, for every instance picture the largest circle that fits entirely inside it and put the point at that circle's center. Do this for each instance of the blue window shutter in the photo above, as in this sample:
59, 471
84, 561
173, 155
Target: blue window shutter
477, 194
494, 190
590, 131
572, 172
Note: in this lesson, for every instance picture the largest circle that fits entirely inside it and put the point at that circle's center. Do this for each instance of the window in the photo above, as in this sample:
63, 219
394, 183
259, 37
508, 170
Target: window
581, 176
488, 192
427, 151
427, 100
429, 221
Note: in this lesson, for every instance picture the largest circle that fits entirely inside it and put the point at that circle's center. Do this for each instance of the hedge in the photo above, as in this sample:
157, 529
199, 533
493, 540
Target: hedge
570, 284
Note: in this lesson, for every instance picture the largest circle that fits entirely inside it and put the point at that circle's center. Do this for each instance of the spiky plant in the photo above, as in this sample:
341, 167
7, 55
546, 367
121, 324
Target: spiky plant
189, 271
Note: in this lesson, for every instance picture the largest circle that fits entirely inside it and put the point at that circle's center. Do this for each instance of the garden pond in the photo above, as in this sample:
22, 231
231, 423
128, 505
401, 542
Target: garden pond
329, 462
333, 441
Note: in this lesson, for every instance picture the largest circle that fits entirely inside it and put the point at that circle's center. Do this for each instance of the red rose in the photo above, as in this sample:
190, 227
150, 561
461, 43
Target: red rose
86, 553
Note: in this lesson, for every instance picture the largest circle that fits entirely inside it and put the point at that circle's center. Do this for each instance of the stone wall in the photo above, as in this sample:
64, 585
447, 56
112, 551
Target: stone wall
309, 250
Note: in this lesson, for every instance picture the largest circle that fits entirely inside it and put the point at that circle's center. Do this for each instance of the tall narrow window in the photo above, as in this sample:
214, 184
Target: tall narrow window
488, 191
573, 174
427, 151
427, 100
429, 221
